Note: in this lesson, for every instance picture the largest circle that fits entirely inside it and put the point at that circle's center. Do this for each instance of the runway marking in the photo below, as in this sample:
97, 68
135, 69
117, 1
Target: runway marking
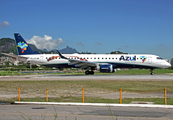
4, 76
64, 115
96, 104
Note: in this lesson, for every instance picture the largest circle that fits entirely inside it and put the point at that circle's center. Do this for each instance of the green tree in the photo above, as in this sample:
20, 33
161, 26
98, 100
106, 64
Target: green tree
117, 52
7, 64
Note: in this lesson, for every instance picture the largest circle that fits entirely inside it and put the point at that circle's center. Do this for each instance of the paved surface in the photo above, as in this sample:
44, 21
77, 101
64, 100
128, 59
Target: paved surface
47, 112
15, 112
168, 77
147, 105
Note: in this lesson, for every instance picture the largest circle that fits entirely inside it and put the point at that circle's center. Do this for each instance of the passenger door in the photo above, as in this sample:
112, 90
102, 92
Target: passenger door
149, 59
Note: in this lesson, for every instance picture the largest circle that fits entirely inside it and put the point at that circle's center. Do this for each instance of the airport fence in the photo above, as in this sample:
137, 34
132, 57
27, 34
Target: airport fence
122, 95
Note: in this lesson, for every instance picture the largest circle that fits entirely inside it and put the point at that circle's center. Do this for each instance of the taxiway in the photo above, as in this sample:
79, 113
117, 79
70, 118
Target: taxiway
168, 77
16, 112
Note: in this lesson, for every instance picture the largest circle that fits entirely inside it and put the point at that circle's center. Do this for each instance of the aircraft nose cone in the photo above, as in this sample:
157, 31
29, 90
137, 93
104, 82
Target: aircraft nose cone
168, 64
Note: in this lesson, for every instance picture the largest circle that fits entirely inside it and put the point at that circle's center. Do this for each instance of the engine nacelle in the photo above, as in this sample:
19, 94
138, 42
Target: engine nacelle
108, 68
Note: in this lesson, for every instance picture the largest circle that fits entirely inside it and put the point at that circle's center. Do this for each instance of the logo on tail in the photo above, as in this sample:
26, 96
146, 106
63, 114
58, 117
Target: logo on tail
23, 46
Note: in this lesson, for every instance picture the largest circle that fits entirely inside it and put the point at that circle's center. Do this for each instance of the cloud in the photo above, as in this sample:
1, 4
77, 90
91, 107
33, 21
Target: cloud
80, 44
98, 43
45, 42
4, 24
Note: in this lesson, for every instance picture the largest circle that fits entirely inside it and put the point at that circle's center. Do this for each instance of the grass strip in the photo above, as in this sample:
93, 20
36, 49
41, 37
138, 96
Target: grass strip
93, 85
39, 87
81, 72
159, 101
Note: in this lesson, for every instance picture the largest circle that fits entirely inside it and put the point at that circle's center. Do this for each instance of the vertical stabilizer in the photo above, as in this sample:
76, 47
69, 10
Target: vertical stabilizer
22, 46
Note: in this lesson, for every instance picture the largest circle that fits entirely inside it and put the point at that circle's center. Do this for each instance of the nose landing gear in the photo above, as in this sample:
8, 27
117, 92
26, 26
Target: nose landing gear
151, 72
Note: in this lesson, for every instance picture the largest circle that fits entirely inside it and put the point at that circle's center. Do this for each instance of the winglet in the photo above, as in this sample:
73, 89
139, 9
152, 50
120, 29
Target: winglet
61, 56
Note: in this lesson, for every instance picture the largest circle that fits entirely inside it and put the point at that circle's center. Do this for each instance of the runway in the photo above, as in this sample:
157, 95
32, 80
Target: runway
39, 112
168, 77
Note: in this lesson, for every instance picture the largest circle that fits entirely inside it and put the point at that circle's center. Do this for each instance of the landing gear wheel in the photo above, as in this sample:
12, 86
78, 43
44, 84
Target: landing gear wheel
89, 72
151, 72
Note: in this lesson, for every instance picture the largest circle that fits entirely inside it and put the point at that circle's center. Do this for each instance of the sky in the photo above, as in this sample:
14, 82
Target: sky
97, 26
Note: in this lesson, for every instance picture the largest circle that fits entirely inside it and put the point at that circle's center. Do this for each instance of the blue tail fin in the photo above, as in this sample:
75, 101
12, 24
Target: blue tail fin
22, 46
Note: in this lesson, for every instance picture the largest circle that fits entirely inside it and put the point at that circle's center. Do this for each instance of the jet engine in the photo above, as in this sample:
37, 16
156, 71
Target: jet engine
107, 68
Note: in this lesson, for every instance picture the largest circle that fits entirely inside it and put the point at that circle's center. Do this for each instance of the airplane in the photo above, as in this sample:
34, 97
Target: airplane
106, 63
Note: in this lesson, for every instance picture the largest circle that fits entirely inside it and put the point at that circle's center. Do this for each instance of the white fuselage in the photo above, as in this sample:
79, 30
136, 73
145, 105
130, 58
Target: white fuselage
119, 60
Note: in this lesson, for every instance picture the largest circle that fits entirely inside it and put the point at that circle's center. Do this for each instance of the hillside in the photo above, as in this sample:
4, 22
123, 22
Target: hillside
7, 45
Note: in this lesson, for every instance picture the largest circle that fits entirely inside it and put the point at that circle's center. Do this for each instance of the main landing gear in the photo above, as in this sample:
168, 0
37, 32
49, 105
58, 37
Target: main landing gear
151, 72
89, 72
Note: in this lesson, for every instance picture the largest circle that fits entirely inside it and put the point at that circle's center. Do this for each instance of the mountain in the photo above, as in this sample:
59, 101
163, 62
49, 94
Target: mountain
35, 48
44, 50
68, 50
7, 45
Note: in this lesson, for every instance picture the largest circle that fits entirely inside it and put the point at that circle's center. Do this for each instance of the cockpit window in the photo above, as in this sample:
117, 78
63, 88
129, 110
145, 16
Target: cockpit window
159, 58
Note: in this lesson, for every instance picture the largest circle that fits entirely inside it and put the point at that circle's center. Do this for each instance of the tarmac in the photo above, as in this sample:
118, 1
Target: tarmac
97, 104
82, 112
167, 77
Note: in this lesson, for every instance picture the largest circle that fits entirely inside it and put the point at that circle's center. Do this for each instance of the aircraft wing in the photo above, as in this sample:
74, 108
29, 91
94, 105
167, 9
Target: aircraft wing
79, 63
16, 57
82, 64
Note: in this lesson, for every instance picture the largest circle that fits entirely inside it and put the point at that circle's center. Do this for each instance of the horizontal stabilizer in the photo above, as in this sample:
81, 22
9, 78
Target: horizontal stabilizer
16, 57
